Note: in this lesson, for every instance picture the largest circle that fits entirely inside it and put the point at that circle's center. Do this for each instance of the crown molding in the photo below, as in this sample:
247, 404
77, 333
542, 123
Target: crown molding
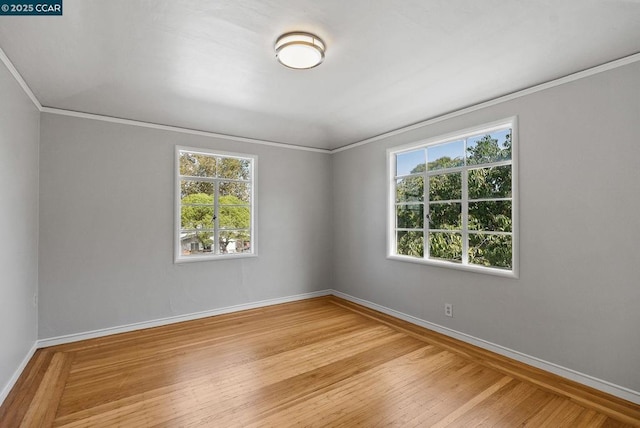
52, 110
170, 128
508, 97
16, 75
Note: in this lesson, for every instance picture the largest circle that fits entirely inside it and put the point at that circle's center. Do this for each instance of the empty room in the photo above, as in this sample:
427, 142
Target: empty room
319, 213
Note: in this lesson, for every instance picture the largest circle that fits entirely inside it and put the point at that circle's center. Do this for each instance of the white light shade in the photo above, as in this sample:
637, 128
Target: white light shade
299, 50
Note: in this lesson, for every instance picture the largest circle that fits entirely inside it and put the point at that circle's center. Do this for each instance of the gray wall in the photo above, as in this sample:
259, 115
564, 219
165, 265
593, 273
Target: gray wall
106, 228
577, 301
19, 136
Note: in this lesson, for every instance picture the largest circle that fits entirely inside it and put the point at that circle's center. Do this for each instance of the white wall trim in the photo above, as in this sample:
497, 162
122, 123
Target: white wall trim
16, 75
508, 97
12, 381
170, 128
527, 91
75, 337
602, 385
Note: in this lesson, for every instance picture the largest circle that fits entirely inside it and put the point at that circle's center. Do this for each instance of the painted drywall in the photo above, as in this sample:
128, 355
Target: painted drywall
107, 221
576, 301
19, 137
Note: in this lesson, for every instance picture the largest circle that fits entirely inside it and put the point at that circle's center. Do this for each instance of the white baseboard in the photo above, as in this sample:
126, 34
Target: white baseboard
17, 373
602, 385
69, 338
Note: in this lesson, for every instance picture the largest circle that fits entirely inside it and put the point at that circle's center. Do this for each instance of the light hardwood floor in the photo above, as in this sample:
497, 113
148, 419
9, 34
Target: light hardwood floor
318, 362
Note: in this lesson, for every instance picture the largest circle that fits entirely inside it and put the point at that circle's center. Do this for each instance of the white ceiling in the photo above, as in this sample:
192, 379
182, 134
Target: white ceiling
209, 65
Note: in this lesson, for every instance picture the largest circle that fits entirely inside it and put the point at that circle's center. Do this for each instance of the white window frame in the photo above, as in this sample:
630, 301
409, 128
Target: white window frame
391, 199
178, 257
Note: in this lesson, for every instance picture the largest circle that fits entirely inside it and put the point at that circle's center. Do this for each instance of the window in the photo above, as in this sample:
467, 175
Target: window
215, 205
452, 200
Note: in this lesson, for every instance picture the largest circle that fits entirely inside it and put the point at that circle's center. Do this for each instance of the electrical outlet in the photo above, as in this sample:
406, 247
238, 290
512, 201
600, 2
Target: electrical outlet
448, 309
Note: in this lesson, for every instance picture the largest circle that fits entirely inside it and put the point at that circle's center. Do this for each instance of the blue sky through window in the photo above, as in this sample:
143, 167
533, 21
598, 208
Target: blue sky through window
452, 150
406, 162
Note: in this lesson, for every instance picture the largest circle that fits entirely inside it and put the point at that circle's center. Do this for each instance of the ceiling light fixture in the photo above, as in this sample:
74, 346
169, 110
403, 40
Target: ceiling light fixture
300, 50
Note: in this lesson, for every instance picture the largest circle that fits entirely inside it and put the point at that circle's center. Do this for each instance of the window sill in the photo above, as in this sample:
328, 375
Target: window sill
450, 265
213, 258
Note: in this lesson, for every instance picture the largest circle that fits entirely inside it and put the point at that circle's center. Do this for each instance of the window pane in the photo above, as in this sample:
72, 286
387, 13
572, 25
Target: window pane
410, 163
490, 182
188, 188
445, 187
410, 244
410, 189
490, 215
215, 202
197, 165
195, 243
410, 216
234, 168
196, 217
445, 216
490, 250
235, 242
447, 155
493, 147
445, 246
234, 193
233, 217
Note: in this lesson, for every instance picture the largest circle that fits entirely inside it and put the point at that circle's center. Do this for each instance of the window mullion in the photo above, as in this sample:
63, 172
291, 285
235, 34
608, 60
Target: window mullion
465, 214
216, 218
426, 223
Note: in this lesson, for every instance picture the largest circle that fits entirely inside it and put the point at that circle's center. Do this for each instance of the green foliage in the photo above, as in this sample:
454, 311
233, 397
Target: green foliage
487, 149
485, 249
197, 213
410, 189
188, 187
442, 163
445, 187
487, 183
198, 217
445, 216
410, 244
196, 165
490, 250
233, 217
447, 246
410, 216
200, 165
234, 214
234, 198
494, 216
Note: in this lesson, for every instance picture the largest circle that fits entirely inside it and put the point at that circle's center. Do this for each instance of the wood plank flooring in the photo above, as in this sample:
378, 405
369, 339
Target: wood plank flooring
319, 362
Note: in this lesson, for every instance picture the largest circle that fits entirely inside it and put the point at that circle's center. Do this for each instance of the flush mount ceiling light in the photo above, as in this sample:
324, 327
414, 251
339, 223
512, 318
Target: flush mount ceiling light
299, 50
